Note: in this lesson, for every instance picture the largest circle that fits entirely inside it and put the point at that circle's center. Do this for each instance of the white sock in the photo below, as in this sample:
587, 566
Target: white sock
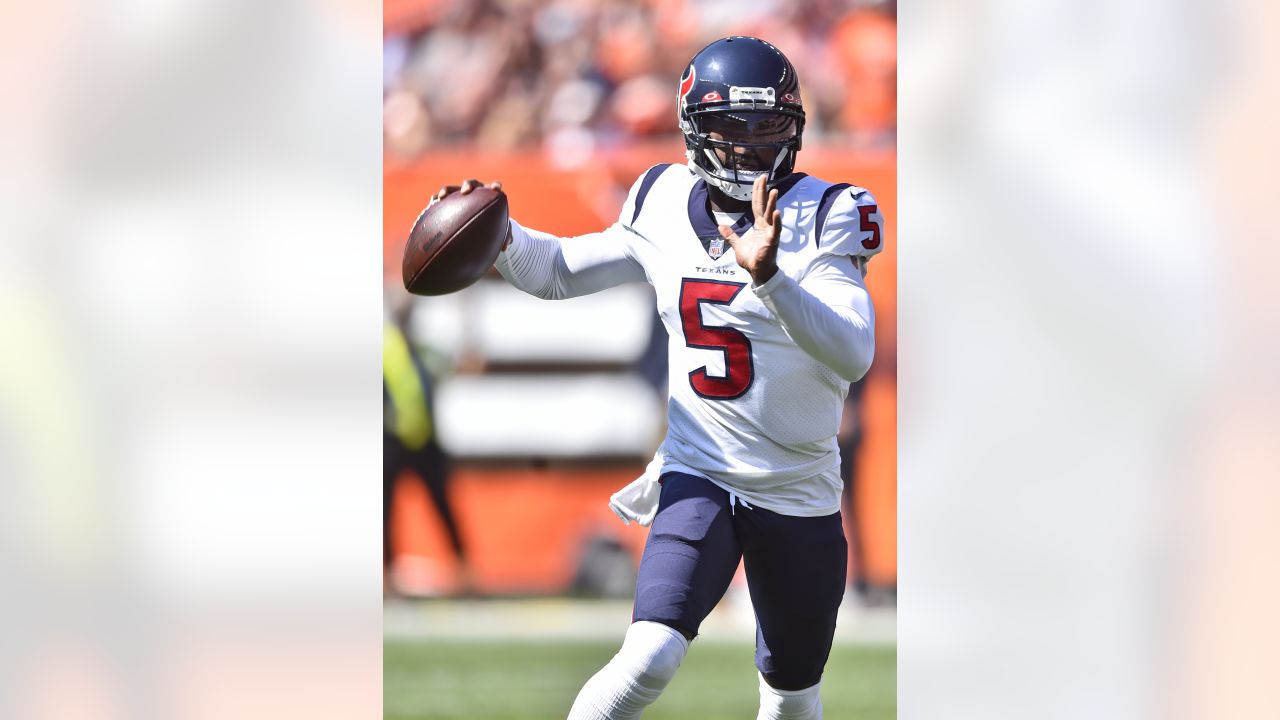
778, 704
635, 677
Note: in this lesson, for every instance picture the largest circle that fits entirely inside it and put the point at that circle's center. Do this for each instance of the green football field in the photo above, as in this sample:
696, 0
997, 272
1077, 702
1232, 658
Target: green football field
498, 680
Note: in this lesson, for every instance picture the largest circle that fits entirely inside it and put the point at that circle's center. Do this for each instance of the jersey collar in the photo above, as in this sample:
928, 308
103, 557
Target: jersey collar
704, 223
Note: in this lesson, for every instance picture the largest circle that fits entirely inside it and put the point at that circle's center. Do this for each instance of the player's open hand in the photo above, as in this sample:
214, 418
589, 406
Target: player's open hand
757, 251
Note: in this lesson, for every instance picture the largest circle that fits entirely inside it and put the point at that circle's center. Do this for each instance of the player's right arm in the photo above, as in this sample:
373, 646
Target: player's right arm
555, 268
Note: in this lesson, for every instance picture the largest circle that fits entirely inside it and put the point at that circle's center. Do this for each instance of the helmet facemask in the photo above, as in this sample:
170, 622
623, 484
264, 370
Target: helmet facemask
733, 160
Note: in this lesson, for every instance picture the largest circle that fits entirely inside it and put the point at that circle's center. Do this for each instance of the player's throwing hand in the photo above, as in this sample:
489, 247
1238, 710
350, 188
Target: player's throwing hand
757, 251
466, 187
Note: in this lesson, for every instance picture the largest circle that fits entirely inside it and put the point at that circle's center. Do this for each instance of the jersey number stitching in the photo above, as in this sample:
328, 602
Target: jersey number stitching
868, 225
738, 365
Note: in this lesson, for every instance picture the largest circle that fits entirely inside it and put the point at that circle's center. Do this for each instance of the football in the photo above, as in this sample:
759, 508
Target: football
455, 241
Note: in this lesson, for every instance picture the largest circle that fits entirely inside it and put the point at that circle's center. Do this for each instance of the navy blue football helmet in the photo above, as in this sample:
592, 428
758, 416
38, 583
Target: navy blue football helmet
747, 92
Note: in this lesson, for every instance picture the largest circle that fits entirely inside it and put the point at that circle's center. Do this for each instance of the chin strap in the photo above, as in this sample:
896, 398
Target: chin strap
728, 187
737, 191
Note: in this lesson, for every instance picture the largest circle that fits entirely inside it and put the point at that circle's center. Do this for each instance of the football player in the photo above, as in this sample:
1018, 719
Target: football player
758, 272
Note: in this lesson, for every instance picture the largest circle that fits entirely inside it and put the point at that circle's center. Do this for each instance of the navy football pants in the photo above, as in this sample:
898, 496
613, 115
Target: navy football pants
795, 572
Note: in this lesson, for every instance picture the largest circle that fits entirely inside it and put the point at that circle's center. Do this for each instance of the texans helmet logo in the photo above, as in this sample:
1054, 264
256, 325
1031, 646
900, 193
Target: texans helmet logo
686, 82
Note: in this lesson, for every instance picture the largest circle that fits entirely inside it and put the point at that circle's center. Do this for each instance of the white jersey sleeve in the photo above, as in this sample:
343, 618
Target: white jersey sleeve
828, 313
555, 268
854, 227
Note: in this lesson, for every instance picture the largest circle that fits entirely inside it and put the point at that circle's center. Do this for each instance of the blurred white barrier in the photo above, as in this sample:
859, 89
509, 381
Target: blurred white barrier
548, 416
503, 324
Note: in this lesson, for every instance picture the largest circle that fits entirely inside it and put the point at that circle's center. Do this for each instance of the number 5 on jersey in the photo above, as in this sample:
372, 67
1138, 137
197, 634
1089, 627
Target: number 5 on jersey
738, 368
869, 221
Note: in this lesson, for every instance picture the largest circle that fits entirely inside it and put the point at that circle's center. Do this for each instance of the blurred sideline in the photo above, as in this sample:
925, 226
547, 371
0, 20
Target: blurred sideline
566, 619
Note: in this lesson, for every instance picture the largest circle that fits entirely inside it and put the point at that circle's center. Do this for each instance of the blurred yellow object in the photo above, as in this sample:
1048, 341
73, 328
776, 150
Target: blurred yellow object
412, 420
48, 457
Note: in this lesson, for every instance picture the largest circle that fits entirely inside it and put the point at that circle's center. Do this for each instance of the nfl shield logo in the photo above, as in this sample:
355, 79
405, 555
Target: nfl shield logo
717, 248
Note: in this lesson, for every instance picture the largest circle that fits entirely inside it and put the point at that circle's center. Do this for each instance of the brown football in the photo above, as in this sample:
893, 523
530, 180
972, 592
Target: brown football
454, 242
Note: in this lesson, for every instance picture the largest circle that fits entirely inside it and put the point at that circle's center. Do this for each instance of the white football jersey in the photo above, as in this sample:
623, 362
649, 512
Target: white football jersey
758, 375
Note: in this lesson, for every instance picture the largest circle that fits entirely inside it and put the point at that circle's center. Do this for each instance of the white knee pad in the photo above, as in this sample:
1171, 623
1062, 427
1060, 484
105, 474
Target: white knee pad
652, 652
635, 677
778, 704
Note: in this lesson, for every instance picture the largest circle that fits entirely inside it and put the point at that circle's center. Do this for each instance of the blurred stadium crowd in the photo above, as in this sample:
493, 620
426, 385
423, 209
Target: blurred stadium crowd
580, 75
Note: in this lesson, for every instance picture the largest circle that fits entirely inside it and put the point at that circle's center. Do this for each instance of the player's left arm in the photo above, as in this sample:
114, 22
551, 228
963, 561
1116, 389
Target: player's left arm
828, 312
